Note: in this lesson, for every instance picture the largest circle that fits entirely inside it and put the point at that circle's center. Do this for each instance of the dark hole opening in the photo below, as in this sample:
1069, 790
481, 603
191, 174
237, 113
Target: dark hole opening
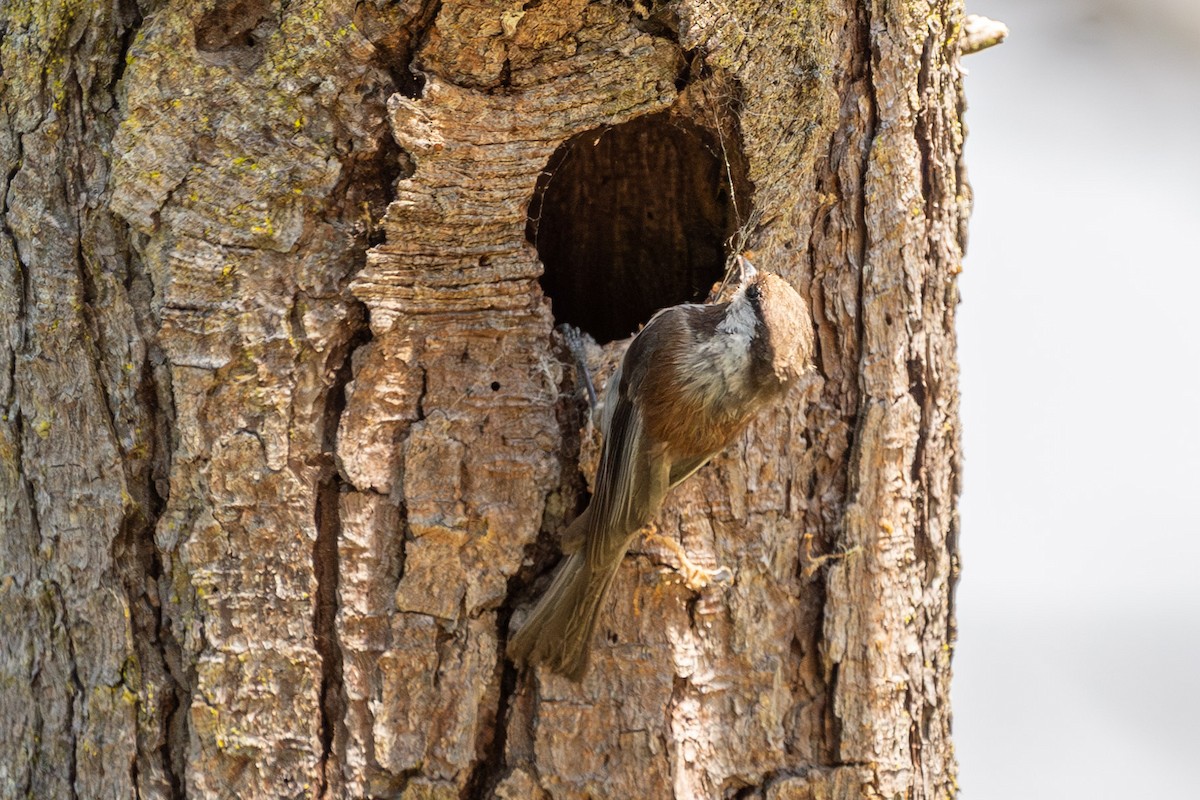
630, 219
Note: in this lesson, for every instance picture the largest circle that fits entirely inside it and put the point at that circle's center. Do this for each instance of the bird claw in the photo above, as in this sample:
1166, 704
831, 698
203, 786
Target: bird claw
699, 578
574, 339
695, 577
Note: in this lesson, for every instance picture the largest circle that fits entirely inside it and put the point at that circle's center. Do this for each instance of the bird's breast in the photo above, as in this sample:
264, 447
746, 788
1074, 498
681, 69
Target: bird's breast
701, 403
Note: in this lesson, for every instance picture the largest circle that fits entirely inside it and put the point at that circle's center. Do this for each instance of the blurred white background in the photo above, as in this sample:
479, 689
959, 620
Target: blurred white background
1077, 672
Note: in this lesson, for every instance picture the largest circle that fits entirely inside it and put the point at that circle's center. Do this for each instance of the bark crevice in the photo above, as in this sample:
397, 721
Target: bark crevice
400, 47
863, 71
142, 558
492, 741
140, 565
165, 691
327, 566
922, 396
922, 128
74, 722
10, 235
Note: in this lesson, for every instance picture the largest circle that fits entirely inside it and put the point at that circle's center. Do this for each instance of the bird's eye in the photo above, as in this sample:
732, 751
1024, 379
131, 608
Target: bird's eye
754, 291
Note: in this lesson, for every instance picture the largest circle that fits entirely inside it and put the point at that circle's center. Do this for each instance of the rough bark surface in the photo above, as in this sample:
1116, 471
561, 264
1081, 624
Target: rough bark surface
288, 432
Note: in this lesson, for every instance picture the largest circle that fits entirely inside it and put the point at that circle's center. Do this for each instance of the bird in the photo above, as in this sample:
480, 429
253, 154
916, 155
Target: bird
688, 385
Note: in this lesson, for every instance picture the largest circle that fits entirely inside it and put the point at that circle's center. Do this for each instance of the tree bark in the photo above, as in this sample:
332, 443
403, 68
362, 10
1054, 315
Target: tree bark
289, 434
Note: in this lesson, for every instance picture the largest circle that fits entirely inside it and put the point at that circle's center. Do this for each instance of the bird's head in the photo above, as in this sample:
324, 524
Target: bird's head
782, 339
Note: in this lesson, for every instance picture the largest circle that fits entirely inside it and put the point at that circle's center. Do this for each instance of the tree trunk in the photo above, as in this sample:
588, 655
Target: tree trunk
289, 433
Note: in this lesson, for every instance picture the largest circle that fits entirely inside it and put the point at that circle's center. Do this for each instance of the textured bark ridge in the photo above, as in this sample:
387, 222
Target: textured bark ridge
288, 433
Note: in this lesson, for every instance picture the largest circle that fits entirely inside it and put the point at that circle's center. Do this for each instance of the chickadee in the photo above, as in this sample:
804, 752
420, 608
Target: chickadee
689, 384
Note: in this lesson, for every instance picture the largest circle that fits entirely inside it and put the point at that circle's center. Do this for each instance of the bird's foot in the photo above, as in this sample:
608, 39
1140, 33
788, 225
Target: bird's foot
574, 339
695, 577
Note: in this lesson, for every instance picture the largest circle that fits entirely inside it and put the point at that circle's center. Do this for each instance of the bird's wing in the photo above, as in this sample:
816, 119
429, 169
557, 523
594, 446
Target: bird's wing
630, 485
633, 476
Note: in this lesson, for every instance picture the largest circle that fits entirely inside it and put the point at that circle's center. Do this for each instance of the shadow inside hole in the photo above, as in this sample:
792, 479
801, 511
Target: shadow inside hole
630, 219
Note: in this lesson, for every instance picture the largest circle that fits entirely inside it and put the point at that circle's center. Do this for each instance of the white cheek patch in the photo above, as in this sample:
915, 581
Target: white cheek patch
720, 366
740, 319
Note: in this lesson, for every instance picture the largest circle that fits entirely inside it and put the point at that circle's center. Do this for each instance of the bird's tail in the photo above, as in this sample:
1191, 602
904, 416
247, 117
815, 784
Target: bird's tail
558, 633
